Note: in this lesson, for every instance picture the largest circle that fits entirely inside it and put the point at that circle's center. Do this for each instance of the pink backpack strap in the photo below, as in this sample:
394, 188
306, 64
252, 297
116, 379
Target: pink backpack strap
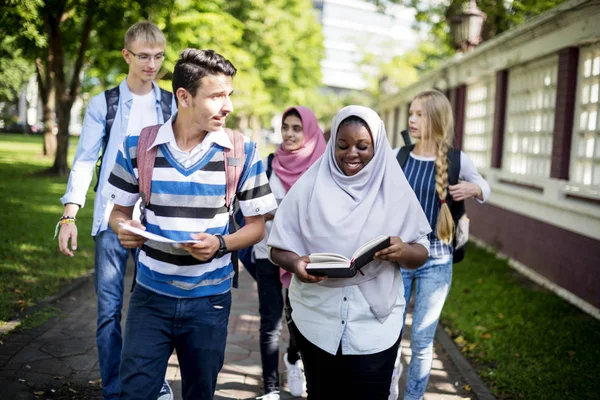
145, 160
234, 164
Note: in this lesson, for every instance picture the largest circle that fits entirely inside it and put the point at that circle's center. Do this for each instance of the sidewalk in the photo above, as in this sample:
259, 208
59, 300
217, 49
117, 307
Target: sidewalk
61, 355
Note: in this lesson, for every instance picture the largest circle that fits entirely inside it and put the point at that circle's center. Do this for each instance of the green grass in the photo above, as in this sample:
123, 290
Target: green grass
524, 341
31, 266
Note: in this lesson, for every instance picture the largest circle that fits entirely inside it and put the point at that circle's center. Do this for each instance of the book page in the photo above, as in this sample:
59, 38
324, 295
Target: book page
328, 257
367, 246
153, 236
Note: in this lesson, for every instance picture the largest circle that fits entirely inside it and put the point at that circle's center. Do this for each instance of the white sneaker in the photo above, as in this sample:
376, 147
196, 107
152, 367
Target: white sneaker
295, 376
166, 393
270, 396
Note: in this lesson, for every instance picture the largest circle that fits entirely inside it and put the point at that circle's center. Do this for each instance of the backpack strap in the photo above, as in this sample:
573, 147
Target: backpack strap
166, 100
234, 165
406, 137
403, 154
145, 160
112, 104
270, 165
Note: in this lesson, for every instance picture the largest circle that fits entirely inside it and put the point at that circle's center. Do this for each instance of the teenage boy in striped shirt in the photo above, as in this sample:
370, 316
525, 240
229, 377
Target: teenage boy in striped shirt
182, 298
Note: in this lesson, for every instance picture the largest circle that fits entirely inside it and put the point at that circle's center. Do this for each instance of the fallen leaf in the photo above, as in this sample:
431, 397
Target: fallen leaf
486, 335
517, 355
460, 340
571, 353
501, 316
480, 328
467, 388
96, 382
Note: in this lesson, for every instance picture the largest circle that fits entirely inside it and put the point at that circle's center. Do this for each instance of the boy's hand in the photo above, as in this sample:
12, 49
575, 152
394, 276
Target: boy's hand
128, 239
67, 232
300, 271
203, 251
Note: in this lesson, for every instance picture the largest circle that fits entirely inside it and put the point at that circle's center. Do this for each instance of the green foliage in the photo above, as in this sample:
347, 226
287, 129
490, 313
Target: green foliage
31, 266
524, 341
15, 69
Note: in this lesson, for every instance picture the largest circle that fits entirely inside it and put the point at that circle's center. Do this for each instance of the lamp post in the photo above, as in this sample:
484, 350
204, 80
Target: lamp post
466, 27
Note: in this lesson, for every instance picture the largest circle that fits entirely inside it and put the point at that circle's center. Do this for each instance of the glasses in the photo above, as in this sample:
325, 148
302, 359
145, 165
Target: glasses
145, 58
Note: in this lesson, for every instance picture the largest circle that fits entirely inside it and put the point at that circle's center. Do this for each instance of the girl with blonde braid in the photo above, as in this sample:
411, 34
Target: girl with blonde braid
427, 171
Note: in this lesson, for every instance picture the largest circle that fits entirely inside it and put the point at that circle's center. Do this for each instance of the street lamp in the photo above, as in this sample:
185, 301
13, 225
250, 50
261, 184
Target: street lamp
466, 27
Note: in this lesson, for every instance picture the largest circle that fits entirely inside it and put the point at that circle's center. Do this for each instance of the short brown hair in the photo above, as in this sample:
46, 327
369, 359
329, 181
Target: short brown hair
145, 32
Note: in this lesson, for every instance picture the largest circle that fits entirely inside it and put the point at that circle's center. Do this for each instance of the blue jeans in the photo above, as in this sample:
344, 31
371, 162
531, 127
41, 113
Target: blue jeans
157, 324
109, 264
432, 283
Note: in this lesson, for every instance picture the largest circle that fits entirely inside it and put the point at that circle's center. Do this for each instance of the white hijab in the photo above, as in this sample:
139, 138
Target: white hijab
327, 211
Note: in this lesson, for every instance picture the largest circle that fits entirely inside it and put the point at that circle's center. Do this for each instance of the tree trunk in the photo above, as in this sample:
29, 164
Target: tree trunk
48, 99
65, 97
63, 110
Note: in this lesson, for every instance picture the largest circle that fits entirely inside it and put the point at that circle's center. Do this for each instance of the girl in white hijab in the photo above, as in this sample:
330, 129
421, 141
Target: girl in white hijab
348, 329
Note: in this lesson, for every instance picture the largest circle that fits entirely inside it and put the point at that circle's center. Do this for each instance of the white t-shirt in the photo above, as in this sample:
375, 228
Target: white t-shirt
260, 248
142, 114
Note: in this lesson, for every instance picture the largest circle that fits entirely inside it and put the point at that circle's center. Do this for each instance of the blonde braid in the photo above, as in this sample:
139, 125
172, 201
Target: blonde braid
445, 223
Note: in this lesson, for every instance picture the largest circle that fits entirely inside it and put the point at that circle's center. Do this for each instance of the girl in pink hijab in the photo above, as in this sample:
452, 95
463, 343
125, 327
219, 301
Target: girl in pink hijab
302, 144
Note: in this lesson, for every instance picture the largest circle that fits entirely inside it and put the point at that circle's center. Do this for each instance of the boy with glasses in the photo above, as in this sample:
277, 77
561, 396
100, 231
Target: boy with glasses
111, 116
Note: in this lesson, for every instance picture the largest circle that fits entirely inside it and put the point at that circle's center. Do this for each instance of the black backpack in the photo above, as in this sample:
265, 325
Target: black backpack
457, 208
112, 104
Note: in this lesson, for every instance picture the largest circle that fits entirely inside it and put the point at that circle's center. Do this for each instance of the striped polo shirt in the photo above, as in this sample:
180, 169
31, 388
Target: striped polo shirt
420, 173
187, 197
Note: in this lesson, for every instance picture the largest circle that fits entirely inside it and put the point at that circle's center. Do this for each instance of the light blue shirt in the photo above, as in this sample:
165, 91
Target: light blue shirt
328, 317
90, 144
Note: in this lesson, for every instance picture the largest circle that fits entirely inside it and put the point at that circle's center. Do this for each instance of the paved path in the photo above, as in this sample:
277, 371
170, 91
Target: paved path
62, 352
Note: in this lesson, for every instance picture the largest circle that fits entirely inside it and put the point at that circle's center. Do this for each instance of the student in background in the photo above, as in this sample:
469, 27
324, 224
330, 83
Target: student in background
427, 170
303, 143
348, 330
138, 102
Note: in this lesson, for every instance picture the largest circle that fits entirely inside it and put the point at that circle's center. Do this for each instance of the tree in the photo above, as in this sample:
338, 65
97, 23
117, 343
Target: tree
433, 16
285, 39
59, 33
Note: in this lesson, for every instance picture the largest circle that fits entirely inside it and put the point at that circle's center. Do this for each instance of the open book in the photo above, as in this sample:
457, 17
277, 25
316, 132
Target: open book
155, 237
337, 266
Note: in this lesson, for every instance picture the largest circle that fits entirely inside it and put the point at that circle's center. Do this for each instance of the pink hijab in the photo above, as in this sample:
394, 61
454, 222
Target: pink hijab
290, 165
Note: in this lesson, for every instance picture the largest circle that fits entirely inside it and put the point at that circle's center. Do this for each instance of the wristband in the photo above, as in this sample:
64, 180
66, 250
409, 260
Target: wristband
65, 219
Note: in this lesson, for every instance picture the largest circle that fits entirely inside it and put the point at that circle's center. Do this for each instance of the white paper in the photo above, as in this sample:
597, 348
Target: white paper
153, 236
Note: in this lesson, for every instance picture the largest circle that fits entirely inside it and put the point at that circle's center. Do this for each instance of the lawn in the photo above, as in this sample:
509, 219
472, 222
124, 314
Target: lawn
32, 267
524, 341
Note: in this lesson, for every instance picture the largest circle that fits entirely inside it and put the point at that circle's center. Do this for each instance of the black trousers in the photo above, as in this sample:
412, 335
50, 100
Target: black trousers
271, 306
348, 377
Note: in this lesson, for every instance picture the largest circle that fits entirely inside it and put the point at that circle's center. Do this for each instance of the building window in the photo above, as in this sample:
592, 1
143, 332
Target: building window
530, 117
585, 156
479, 122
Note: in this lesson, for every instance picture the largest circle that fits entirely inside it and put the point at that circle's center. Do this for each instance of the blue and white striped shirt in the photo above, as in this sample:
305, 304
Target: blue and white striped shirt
420, 173
188, 196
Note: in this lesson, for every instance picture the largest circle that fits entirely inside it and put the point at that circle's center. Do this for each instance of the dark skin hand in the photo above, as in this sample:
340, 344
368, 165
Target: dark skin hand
409, 255
295, 264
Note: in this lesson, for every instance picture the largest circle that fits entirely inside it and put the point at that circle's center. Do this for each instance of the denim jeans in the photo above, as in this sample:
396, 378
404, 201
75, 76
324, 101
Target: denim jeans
109, 264
432, 283
271, 303
156, 324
